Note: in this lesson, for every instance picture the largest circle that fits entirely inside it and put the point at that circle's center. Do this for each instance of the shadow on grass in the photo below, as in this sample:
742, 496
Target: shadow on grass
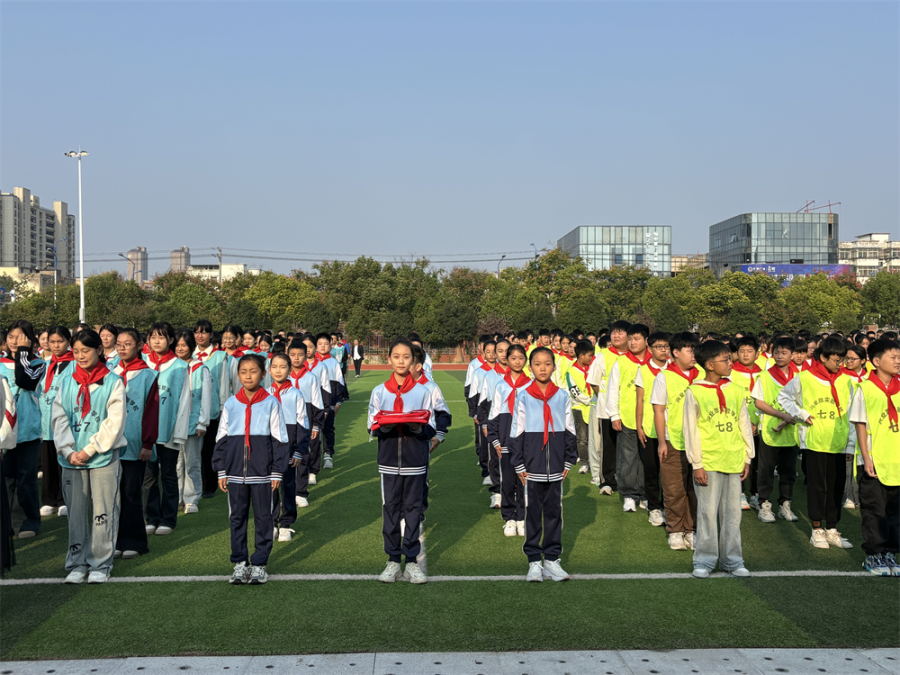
24, 608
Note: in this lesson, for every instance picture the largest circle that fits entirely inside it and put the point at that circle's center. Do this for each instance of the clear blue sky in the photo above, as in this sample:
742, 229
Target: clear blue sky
462, 128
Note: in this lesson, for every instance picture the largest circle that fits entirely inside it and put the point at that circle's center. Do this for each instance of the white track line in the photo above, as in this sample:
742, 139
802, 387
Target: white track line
372, 577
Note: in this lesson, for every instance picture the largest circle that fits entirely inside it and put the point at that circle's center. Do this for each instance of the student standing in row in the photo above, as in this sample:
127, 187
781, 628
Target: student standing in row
60, 358
311, 393
442, 420
338, 395
293, 410
580, 391
489, 383
856, 371
745, 372
188, 468
216, 360
489, 358
646, 429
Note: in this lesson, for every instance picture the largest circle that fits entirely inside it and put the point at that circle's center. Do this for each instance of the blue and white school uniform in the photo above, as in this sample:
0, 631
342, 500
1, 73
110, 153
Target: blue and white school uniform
488, 384
338, 395
190, 481
474, 393
51, 481
293, 409
220, 389
320, 372
442, 421
499, 429
311, 392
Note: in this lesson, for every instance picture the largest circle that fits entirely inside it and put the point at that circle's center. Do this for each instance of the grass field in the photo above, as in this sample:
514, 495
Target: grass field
341, 533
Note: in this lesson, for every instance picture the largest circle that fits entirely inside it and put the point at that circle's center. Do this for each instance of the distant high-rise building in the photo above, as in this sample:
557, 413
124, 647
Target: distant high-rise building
605, 246
137, 264
28, 233
181, 259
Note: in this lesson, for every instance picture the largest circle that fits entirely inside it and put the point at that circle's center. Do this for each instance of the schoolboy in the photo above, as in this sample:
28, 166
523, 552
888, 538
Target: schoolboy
489, 359
855, 369
581, 394
718, 439
875, 412
216, 360
542, 449
250, 457
310, 389
618, 345
745, 372
318, 373
648, 445
475, 364
338, 395
485, 399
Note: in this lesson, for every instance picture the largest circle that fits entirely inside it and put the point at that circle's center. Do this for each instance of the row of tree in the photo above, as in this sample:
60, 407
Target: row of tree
450, 307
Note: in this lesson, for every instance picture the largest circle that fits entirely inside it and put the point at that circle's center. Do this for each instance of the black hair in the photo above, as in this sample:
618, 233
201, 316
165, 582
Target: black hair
577, 331
323, 336
681, 340
418, 354
281, 355
502, 340
542, 332
659, 336
710, 351
484, 338
860, 337
516, 348
297, 344
188, 337
26, 328
620, 325
556, 332
566, 337
280, 347
591, 334
877, 348
858, 350
62, 331
163, 328
487, 344
203, 325
541, 350
523, 335
414, 337
109, 328
258, 359
234, 330
603, 341
783, 343
401, 341
80, 326
89, 338
638, 329
889, 335
133, 333
748, 341
264, 337
583, 347
800, 345
830, 347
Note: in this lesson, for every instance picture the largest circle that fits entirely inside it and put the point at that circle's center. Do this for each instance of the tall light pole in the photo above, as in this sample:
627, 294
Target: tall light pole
79, 155
535, 251
498, 265
133, 265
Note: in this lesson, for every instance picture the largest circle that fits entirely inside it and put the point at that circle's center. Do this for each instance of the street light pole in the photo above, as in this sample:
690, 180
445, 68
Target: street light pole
535, 251
128, 262
81, 153
55, 268
498, 265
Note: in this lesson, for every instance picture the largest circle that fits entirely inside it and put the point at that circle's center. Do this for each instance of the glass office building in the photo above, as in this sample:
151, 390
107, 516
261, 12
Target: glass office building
808, 239
605, 246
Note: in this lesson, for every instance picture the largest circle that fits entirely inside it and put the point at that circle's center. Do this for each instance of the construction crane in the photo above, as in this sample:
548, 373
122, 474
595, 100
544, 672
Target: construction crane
826, 206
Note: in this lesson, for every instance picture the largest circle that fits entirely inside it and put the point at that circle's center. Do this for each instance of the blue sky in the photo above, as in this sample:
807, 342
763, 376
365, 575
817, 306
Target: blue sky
445, 128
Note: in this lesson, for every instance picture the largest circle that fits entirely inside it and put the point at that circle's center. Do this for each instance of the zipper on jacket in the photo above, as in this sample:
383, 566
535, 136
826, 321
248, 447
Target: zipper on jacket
399, 443
246, 460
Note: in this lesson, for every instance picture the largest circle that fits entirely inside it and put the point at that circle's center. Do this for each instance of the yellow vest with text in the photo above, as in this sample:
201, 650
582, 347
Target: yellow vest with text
627, 392
785, 438
676, 385
647, 379
720, 436
743, 381
884, 441
574, 377
830, 429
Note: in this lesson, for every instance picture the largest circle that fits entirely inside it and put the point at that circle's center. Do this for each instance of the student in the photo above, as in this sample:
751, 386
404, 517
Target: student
338, 395
23, 372
819, 399
311, 394
427, 366
596, 377
60, 358
621, 405
489, 352
442, 417
718, 439
875, 412
618, 346
174, 382
475, 364
576, 380
483, 407
777, 435
108, 335
499, 426
543, 448
250, 458
7, 442
764, 360
216, 360
745, 372
190, 481
88, 417
141, 431
293, 409
855, 370
648, 447
318, 372
564, 360
403, 450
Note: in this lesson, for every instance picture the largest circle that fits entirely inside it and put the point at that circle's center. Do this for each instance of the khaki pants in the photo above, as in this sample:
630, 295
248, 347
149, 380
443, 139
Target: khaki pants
679, 498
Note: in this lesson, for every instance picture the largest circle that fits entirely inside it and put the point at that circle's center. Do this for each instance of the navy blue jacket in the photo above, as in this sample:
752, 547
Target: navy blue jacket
266, 459
400, 451
526, 442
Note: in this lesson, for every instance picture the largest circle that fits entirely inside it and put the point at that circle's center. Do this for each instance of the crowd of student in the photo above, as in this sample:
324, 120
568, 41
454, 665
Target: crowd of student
128, 428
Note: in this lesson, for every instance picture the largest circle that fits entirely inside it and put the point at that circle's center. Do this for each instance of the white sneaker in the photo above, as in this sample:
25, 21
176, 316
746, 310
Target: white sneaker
98, 577
583, 468
328, 462
818, 539
128, 555
75, 577
765, 512
163, 529
415, 574
700, 573
117, 554
312, 479
150, 529
835, 539
740, 572
535, 572
241, 574
848, 504
509, 528
27, 534
656, 518
391, 573
745, 505
63, 511
258, 575
487, 481
48, 510
785, 512
302, 502
629, 505
191, 508
495, 501
676, 541
553, 570
520, 528
644, 504
606, 490
284, 534
689, 540
595, 481
275, 533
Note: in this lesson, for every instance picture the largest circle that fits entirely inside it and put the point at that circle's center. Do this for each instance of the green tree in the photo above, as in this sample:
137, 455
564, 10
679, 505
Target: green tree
846, 319
187, 304
711, 304
276, 295
820, 294
757, 287
242, 313
622, 290
583, 308
880, 298
317, 317
744, 317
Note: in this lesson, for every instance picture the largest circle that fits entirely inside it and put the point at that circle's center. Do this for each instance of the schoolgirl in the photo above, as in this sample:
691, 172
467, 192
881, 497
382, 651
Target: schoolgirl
61, 358
108, 334
310, 390
217, 361
188, 467
320, 374
338, 395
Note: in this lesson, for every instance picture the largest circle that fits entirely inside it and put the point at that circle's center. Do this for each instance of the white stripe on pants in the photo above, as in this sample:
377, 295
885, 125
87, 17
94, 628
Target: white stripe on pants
190, 481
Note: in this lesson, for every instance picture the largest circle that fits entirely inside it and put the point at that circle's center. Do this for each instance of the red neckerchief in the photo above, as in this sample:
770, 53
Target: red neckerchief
584, 370
146, 349
398, 390
239, 352
156, 360
479, 358
719, 392
195, 366
555, 351
241, 396
137, 363
751, 371
890, 390
807, 364
615, 350
202, 355
322, 357
519, 382
765, 355
859, 377
486, 367
691, 374
85, 378
819, 371
51, 368
535, 390
263, 352
278, 388
297, 376
634, 359
793, 367
779, 376
423, 379
502, 370
653, 370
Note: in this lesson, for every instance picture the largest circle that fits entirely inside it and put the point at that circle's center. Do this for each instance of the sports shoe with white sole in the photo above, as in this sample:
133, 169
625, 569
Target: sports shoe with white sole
98, 577
835, 539
740, 572
689, 540
284, 534
302, 502
414, 573
643, 504
656, 518
128, 555
745, 505
784, 511
876, 565
163, 529
520, 528
63, 511
676, 541
700, 573
495, 501
391, 573
312, 479
754, 502
191, 508
535, 572
117, 554
848, 504
27, 534
765, 512
258, 575
48, 510
150, 529
606, 490
487, 481
509, 528
583, 468
595, 481
328, 462
75, 577
553, 570
628, 506
241, 574
818, 539
891, 561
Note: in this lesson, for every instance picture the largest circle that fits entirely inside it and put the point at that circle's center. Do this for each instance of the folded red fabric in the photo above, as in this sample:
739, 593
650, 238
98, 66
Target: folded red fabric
386, 418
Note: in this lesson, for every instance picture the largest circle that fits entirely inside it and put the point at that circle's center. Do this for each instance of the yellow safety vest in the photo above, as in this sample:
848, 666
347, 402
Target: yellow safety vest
884, 441
788, 436
831, 428
648, 378
676, 385
720, 436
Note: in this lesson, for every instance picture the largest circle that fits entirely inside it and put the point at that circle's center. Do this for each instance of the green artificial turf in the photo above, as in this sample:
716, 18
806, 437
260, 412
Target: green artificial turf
341, 533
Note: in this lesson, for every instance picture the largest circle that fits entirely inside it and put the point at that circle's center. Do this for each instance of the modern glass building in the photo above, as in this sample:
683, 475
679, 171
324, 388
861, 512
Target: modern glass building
605, 246
773, 239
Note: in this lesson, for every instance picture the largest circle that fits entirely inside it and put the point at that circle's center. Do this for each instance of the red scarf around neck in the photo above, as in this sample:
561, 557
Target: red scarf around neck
584, 370
502, 370
520, 381
137, 363
779, 376
889, 390
206, 352
690, 376
487, 367
423, 379
615, 350
535, 390
260, 395
719, 393
479, 358
156, 361
398, 390
653, 369
322, 357
51, 368
634, 359
859, 377
85, 378
819, 371
278, 388
751, 371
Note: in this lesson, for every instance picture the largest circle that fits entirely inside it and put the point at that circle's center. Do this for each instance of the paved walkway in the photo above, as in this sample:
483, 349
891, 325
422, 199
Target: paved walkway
637, 662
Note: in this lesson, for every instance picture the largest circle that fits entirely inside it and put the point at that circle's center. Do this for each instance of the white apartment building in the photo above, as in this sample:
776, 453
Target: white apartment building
869, 254
137, 268
229, 271
28, 232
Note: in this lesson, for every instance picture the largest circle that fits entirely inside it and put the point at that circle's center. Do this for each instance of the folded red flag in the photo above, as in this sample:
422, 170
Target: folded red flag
386, 418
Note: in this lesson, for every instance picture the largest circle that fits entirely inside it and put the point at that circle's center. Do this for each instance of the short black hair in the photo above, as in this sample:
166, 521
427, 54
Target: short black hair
583, 347
799, 345
251, 357
297, 344
204, 326
188, 337
323, 336
541, 350
620, 325
877, 348
418, 354
829, 347
401, 342
543, 331
748, 341
659, 336
783, 343
710, 351
858, 350
638, 329
62, 331
603, 341
516, 348
89, 338
681, 340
